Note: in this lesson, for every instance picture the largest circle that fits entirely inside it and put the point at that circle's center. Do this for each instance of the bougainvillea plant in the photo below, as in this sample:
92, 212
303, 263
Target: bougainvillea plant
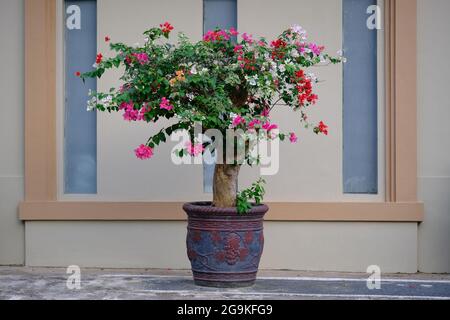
219, 82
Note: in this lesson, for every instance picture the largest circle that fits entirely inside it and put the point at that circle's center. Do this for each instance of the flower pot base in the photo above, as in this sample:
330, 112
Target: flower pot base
225, 285
224, 280
223, 246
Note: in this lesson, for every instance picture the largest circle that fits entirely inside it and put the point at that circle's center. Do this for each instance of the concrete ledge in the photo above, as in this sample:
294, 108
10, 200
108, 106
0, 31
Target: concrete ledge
172, 211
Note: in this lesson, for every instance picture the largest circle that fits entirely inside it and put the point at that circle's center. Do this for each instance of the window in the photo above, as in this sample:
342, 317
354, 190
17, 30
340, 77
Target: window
80, 127
345, 166
216, 14
360, 108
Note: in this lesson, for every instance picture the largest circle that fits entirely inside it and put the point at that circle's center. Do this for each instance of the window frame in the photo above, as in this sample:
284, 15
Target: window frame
41, 136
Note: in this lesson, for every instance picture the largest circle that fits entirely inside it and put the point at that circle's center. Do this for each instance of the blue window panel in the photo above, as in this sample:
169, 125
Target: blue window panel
216, 14
219, 13
360, 118
208, 172
80, 126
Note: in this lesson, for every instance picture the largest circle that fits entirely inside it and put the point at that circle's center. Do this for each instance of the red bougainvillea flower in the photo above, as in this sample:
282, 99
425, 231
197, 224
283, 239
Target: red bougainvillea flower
322, 128
107, 39
218, 35
166, 28
78, 74
300, 74
304, 87
143, 152
99, 58
278, 45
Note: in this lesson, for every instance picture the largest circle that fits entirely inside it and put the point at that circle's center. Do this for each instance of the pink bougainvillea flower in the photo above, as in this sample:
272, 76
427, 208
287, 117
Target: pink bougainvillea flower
99, 58
254, 123
293, 138
124, 105
269, 127
142, 58
194, 149
209, 36
247, 38
317, 50
107, 39
165, 104
222, 34
143, 152
266, 112
124, 87
233, 31
238, 49
130, 114
238, 120
144, 109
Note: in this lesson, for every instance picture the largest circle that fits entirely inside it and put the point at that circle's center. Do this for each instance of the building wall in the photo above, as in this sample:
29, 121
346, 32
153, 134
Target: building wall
297, 246
396, 247
316, 157
434, 134
294, 246
11, 131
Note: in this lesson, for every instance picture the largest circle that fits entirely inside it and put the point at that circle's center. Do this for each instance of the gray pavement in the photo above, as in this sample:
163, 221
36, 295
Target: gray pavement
99, 284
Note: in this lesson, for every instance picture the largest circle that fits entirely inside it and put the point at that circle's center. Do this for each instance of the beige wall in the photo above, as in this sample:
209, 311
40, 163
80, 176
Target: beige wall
291, 245
396, 247
318, 159
317, 173
11, 131
157, 179
434, 134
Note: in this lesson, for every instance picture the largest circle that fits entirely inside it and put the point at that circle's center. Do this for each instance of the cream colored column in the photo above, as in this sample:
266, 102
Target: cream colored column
11, 131
434, 148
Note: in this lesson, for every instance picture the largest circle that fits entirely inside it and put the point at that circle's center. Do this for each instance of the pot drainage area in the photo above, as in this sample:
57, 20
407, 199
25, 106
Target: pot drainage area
96, 284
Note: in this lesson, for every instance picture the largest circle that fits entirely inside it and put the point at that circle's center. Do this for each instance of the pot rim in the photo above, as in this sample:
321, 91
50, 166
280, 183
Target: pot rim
205, 207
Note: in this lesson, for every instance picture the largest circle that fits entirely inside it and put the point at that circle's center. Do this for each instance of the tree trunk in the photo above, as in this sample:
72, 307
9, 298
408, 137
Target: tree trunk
225, 185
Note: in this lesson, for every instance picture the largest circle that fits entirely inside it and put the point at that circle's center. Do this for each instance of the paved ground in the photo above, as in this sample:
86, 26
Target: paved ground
50, 283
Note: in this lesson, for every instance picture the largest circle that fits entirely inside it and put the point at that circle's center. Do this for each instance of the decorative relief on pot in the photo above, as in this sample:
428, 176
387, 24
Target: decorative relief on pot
222, 250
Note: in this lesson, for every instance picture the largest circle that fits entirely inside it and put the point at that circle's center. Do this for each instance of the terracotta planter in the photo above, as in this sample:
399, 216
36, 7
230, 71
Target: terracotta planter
224, 247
